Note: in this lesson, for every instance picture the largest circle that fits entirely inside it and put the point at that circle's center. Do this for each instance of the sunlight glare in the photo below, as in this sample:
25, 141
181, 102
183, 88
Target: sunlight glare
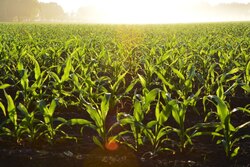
141, 12
144, 12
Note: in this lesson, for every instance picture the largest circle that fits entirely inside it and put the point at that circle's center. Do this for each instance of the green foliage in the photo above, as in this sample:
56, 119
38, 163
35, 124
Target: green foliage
148, 79
226, 132
51, 124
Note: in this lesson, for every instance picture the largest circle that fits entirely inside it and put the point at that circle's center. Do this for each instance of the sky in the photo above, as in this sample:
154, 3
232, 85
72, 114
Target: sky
143, 11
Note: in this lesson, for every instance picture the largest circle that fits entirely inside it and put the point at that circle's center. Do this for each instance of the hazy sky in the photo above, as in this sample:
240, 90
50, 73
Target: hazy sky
141, 11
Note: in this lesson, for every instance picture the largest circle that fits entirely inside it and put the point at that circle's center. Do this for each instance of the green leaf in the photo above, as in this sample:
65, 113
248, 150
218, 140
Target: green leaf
175, 110
235, 152
52, 107
248, 71
150, 97
37, 70
138, 112
131, 86
37, 67
105, 104
176, 116
157, 111
246, 87
25, 80
116, 84
79, 121
196, 134
3, 108
56, 77
143, 81
152, 123
11, 109
233, 71
222, 109
93, 113
127, 120
97, 142
4, 86
165, 82
178, 73
191, 71
67, 69
23, 109
161, 133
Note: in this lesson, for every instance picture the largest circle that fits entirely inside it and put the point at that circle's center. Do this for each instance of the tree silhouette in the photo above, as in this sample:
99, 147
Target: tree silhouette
19, 10
50, 11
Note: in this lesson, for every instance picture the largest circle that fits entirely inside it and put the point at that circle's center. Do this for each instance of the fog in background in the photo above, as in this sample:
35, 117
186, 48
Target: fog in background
33, 10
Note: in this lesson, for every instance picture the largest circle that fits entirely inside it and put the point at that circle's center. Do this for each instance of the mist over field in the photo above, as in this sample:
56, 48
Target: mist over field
134, 12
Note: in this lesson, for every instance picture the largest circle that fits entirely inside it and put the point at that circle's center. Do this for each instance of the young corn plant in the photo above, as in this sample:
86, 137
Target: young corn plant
52, 125
117, 90
179, 109
141, 105
59, 90
11, 120
31, 88
30, 127
24, 128
98, 114
179, 105
156, 131
227, 133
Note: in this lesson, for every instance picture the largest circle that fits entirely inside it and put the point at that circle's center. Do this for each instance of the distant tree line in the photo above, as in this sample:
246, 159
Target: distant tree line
29, 10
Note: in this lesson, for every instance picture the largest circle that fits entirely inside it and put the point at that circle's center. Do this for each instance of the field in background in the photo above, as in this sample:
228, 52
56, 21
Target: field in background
158, 91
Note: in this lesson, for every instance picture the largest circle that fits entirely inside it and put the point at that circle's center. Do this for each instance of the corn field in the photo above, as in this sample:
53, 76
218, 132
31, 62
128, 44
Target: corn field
154, 89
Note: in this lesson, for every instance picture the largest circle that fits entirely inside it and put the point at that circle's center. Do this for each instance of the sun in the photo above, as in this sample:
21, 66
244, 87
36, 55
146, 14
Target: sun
141, 12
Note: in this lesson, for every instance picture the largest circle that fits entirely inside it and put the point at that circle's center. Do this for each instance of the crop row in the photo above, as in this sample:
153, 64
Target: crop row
138, 85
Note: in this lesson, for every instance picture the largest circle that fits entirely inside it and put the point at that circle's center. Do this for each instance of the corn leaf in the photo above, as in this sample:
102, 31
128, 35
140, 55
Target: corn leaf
97, 142
143, 81
105, 104
162, 78
178, 73
52, 107
4, 86
3, 108
79, 121
11, 109
138, 112
116, 84
149, 98
222, 109
23, 109
248, 71
67, 69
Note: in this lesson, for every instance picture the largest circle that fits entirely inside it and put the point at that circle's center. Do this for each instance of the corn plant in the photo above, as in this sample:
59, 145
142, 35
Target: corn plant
179, 109
59, 82
141, 107
52, 125
98, 114
225, 130
30, 127
156, 130
12, 119
186, 97
27, 128
31, 89
117, 91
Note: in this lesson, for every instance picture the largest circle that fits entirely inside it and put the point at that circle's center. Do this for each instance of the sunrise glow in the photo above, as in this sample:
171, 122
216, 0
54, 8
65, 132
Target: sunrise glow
147, 11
